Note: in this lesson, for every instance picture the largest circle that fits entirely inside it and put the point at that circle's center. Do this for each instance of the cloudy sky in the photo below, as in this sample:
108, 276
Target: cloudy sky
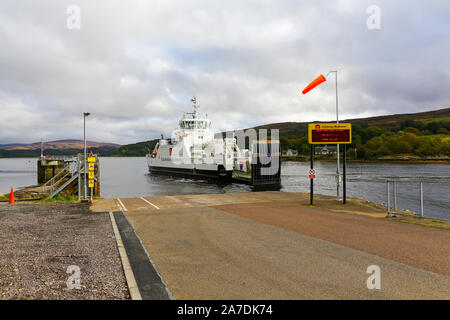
135, 64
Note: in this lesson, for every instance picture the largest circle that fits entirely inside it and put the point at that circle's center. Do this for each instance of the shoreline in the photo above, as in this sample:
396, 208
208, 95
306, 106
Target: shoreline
304, 159
406, 161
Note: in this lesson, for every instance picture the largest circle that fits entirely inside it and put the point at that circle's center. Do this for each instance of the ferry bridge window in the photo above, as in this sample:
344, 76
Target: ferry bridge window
200, 125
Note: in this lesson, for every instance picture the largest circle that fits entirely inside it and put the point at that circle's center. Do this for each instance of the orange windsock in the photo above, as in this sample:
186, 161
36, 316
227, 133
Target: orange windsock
314, 84
11, 196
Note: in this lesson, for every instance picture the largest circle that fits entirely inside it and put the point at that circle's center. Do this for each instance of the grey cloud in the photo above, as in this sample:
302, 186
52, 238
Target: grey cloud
135, 64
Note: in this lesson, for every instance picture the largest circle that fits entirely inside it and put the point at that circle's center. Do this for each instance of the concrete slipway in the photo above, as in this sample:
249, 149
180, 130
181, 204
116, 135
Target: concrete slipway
272, 245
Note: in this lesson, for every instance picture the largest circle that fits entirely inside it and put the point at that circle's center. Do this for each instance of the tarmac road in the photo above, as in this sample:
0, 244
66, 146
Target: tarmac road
273, 248
425, 248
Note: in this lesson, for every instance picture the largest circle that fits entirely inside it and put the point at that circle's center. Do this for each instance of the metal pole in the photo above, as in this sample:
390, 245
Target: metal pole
388, 203
79, 176
421, 199
395, 198
338, 169
344, 182
311, 196
42, 148
84, 160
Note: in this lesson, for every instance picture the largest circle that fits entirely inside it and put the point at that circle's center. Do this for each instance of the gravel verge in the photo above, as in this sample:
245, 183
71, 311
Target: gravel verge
38, 242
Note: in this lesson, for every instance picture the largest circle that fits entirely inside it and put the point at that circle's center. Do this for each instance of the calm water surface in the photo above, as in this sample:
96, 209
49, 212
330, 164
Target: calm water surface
128, 177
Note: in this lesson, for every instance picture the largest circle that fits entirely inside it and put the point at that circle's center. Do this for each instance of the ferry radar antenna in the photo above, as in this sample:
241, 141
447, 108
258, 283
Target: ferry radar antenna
194, 101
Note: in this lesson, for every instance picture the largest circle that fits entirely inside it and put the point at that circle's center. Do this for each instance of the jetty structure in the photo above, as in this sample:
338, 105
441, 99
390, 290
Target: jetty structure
64, 175
67, 174
196, 151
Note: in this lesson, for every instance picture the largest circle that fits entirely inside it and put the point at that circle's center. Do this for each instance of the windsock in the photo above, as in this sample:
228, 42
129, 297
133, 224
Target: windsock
314, 84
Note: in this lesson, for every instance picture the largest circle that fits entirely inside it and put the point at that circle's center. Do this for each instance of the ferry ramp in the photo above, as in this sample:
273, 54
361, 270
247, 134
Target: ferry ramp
272, 245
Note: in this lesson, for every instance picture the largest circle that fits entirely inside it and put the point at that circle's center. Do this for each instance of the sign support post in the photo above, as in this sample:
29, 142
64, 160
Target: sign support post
344, 184
331, 133
311, 197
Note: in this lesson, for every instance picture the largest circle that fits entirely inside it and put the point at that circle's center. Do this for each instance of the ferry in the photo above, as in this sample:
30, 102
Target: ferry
196, 151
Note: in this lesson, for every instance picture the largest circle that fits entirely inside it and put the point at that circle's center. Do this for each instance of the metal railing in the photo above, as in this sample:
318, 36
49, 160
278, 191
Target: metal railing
61, 157
73, 169
56, 177
393, 209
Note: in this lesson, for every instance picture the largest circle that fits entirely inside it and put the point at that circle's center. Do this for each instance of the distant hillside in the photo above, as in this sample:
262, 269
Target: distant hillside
139, 149
103, 152
428, 125
424, 135
392, 122
59, 145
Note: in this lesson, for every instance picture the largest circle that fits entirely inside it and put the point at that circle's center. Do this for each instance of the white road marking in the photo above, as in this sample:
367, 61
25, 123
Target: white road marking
122, 205
150, 203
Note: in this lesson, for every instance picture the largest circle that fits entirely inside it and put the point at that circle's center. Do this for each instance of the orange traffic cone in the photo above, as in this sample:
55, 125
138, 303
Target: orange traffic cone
11, 197
90, 200
314, 84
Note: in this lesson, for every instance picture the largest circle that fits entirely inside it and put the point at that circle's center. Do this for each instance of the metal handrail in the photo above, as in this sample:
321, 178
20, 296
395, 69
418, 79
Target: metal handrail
57, 179
56, 183
394, 212
61, 157
74, 168
55, 176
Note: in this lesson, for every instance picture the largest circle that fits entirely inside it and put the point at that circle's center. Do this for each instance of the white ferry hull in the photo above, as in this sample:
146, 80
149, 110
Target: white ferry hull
191, 172
193, 151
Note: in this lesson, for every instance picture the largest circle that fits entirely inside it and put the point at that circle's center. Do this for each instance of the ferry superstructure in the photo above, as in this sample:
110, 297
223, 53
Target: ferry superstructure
194, 151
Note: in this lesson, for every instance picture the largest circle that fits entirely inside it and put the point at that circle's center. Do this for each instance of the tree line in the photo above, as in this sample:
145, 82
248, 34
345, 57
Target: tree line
418, 138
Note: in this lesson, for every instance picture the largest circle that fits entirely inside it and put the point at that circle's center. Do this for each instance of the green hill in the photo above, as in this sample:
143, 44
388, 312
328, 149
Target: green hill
424, 134
421, 134
390, 122
139, 149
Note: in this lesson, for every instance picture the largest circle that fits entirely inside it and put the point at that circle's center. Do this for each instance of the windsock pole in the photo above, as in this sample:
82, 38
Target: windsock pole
320, 79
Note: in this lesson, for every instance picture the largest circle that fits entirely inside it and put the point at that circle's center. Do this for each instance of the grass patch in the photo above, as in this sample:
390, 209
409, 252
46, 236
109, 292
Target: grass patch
421, 222
59, 198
